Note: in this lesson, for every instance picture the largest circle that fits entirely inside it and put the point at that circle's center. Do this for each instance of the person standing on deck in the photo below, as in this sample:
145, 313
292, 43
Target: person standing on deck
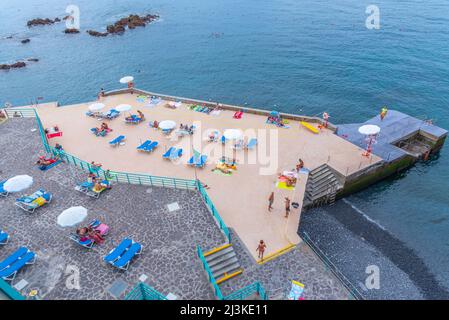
383, 113
261, 249
270, 201
287, 207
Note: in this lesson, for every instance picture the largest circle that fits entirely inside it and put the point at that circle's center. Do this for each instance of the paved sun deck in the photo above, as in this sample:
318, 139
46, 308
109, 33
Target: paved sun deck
169, 238
241, 199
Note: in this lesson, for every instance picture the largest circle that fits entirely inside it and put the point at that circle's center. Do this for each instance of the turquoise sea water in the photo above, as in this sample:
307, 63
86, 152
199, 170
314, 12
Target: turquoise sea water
294, 55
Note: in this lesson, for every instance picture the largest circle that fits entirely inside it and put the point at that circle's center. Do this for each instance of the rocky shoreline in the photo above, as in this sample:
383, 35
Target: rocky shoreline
352, 243
128, 23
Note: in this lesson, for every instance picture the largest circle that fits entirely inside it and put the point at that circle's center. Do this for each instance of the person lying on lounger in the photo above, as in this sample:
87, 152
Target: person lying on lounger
45, 162
86, 233
100, 186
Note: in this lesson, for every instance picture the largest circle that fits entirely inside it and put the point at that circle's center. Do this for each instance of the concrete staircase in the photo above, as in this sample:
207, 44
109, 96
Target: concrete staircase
322, 187
223, 263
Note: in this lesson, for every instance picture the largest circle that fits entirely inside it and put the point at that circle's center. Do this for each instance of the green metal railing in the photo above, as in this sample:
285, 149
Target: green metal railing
213, 210
210, 276
143, 291
125, 177
254, 288
9, 291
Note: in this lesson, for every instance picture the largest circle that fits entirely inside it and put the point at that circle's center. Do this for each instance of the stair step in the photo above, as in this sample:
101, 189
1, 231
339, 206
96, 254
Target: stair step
318, 169
322, 176
229, 268
217, 254
320, 184
224, 264
221, 258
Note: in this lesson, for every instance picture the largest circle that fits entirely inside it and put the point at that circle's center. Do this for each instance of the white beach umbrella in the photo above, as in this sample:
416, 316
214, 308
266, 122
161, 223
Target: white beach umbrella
18, 183
126, 79
123, 107
96, 106
72, 216
369, 129
233, 134
167, 124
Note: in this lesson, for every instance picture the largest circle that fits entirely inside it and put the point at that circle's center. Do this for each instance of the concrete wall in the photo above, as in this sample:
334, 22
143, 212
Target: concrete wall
213, 104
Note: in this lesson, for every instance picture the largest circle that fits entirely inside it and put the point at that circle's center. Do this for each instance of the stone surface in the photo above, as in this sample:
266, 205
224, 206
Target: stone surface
169, 241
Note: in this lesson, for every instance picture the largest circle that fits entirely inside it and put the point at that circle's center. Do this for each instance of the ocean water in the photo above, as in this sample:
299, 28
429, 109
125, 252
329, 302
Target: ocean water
292, 55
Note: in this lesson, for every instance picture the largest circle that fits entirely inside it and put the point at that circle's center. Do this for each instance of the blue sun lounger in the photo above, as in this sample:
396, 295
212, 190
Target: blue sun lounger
121, 256
251, 144
34, 201
88, 188
148, 146
198, 162
3, 192
4, 237
167, 154
172, 153
134, 119
144, 145
16, 261
176, 154
115, 253
125, 259
88, 243
111, 114
116, 142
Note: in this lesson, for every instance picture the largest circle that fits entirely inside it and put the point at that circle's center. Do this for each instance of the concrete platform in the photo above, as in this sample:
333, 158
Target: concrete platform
241, 199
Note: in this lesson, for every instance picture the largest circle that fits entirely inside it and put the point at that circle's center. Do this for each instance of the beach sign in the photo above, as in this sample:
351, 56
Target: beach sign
296, 292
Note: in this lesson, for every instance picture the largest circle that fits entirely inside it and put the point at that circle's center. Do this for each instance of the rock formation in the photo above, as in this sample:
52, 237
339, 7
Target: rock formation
71, 30
94, 33
16, 65
25, 41
42, 22
130, 22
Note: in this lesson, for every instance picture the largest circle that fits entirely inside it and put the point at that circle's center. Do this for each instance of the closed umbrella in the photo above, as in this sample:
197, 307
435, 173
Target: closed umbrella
72, 216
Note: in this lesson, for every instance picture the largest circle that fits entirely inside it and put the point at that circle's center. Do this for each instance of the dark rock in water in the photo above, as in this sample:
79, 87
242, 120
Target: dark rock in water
66, 17
71, 30
33, 59
57, 20
9, 37
15, 65
40, 22
25, 41
19, 64
115, 28
94, 33
130, 22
